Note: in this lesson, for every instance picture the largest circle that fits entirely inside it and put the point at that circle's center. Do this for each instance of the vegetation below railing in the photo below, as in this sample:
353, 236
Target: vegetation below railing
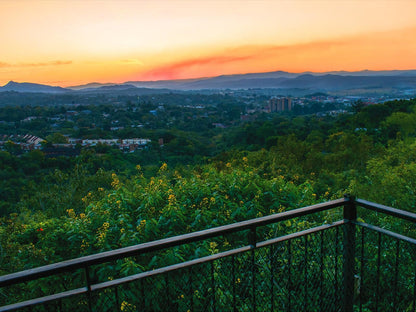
322, 268
70, 207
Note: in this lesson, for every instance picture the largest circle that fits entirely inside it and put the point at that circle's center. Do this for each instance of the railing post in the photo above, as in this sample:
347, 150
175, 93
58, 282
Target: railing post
253, 243
88, 278
350, 214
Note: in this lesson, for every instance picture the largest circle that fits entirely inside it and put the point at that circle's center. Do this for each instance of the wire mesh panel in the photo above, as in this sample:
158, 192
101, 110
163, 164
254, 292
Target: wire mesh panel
343, 266
386, 268
301, 274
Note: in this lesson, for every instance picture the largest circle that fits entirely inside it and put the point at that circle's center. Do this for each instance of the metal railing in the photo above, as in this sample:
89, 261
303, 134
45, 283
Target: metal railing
316, 258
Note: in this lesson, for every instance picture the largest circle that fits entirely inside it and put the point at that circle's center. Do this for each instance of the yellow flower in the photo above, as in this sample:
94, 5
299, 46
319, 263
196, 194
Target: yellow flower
127, 306
84, 244
245, 159
138, 167
71, 213
164, 167
228, 165
141, 226
171, 199
213, 245
115, 182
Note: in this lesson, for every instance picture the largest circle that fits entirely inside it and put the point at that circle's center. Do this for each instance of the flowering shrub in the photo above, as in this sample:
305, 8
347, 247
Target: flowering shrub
144, 209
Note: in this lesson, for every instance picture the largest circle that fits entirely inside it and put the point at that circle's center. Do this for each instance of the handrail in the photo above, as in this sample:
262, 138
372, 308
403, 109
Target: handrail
402, 214
135, 250
349, 218
162, 270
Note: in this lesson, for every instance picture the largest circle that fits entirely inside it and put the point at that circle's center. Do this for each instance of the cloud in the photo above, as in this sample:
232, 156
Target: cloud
52, 63
177, 69
376, 51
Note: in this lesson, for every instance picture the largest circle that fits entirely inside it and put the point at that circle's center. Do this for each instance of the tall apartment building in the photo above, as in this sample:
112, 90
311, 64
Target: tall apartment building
279, 104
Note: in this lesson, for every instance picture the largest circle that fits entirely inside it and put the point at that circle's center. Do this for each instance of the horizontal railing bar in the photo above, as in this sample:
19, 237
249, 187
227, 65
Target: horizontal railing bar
135, 250
386, 232
123, 280
32, 302
173, 267
169, 268
213, 257
300, 234
406, 215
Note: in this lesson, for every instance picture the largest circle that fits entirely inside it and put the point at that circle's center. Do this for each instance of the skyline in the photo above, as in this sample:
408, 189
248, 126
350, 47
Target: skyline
74, 42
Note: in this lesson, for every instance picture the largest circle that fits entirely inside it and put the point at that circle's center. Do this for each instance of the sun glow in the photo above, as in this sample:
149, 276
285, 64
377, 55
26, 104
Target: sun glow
74, 42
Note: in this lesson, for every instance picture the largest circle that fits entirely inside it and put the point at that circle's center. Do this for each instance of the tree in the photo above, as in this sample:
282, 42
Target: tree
57, 138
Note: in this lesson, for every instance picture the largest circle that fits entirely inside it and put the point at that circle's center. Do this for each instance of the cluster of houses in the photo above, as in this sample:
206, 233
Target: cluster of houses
127, 145
26, 142
30, 142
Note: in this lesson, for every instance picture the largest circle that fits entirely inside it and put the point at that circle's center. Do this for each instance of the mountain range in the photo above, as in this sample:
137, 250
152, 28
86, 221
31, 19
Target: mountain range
324, 82
26, 87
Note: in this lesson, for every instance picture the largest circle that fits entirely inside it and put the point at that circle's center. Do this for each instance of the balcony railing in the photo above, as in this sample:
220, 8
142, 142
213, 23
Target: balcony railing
323, 257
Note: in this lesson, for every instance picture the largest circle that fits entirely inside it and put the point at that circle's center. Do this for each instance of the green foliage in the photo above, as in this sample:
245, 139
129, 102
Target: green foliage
390, 178
60, 208
142, 209
56, 138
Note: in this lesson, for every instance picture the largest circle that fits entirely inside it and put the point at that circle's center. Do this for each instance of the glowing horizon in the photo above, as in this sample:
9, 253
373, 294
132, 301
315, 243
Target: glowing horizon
75, 42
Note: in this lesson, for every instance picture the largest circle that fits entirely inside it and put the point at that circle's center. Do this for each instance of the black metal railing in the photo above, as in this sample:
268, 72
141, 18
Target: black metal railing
323, 257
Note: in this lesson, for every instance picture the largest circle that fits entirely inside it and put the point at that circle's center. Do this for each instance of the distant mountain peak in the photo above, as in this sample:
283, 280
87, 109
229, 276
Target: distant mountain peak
11, 83
31, 88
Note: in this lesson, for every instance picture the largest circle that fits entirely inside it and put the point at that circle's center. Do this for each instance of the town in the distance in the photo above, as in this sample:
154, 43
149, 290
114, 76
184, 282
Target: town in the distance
138, 115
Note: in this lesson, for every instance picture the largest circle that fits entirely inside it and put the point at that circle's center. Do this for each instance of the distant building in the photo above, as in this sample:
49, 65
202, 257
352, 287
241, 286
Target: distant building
131, 145
31, 139
279, 105
99, 141
135, 141
30, 118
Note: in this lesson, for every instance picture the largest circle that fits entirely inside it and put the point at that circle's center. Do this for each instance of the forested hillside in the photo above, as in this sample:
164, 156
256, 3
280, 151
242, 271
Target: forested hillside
60, 208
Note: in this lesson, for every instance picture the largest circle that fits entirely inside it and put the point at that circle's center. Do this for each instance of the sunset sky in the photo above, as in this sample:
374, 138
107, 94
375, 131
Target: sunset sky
72, 42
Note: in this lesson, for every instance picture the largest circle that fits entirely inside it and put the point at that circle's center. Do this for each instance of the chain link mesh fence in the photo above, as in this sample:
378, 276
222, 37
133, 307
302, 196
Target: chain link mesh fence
303, 273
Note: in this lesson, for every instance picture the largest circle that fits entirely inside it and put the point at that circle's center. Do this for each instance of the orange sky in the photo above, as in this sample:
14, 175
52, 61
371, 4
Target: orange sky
71, 42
